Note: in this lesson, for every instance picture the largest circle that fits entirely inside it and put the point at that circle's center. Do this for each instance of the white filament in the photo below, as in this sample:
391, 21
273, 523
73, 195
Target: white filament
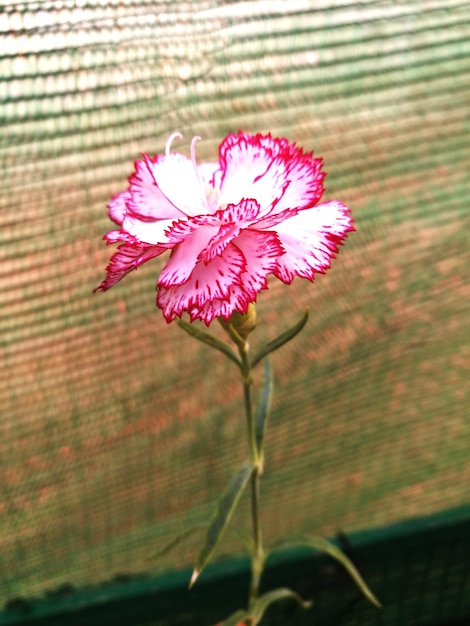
171, 138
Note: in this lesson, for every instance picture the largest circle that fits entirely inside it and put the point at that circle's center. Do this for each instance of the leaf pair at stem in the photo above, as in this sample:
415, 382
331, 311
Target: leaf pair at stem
238, 328
225, 348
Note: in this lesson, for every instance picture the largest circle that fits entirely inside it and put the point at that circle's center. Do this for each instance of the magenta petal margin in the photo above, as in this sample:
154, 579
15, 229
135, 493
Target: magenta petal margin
227, 225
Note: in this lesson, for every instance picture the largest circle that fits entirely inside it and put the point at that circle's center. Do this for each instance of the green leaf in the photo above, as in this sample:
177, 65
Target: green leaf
225, 508
247, 541
210, 340
236, 618
264, 401
323, 545
282, 339
175, 542
260, 605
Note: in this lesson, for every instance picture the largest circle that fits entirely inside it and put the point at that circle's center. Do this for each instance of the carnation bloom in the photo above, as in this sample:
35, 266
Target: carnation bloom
228, 225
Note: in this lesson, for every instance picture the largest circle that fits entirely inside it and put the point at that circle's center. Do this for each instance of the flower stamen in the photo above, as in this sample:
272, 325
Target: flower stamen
171, 138
194, 141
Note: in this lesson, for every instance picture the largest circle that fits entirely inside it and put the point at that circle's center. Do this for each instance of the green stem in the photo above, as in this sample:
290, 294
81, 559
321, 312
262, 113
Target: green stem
257, 560
257, 563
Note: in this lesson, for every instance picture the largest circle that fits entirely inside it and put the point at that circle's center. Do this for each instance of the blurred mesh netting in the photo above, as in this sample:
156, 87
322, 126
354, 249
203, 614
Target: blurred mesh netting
118, 431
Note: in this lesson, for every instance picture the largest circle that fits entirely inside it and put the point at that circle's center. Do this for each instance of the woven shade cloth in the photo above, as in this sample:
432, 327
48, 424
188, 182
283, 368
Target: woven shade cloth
119, 431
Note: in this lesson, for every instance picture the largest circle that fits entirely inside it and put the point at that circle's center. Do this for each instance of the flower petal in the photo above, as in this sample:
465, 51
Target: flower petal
151, 232
208, 281
215, 231
186, 255
207, 171
310, 240
143, 210
117, 207
178, 179
119, 236
233, 219
127, 258
261, 251
215, 247
251, 168
243, 214
305, 180
147, 200
255, 254
216, 308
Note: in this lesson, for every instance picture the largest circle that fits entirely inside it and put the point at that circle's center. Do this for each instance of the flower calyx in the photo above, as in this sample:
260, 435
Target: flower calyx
240, 325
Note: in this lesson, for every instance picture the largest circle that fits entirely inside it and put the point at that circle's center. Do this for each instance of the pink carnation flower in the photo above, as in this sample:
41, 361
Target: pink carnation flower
229, 225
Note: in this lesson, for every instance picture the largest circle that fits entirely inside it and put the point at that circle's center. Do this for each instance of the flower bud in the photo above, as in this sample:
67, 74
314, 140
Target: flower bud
242, 323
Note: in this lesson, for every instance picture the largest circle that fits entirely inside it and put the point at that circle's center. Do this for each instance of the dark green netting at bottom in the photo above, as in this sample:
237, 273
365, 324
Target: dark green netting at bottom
420, 570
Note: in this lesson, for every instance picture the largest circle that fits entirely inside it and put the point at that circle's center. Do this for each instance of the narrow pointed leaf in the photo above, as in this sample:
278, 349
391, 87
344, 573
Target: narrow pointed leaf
264, 402
175, 542
236, 618
323, 545
210, 340
225, 508
282, 339
194, 577
326, 546
262, 603
247, 542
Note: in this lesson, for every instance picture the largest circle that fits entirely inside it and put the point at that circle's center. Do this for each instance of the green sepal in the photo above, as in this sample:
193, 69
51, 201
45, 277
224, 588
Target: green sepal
264, 402
261, 604
323, 545
210, 340
234, 335
222, 516
280, 340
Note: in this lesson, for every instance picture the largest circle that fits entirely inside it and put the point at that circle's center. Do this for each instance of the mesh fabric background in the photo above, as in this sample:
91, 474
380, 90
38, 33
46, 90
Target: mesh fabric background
117, 430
